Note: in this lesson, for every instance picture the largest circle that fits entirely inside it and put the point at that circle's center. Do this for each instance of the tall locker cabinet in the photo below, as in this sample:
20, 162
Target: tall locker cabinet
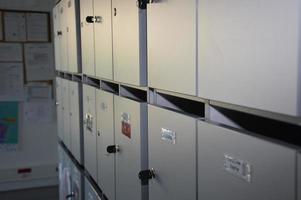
171, 45
57, 36
106, 147
129, 42
87, 36
131, 140
64, 42
64, 174
90, 139
249, 53
243, 167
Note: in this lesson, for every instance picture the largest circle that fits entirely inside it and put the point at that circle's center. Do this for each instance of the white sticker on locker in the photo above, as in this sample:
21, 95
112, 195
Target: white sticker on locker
237, 167
89, 122
168, 135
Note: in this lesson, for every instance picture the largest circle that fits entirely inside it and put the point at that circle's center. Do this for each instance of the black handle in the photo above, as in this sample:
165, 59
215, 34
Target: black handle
90, 19
59, 33
146, 175
112, 149
70, 196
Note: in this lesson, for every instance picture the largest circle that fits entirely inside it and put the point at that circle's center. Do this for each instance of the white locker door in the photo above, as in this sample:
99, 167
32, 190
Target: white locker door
64, 44
90, 140
249, 53
105, 139
59, 108
129, 42
172, 155
66, 113
103, 39
171, 43
232, 165
75, 120
87, 37
57, 36
131, 137
72, 37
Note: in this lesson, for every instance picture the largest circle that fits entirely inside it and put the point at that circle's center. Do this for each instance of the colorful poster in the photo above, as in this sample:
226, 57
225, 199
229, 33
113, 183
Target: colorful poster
9, 123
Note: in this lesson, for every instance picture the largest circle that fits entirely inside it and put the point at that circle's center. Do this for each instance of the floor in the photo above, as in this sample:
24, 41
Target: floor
46, 193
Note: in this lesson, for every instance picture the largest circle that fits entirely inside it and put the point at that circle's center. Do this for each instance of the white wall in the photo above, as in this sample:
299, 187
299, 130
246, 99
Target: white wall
34, 5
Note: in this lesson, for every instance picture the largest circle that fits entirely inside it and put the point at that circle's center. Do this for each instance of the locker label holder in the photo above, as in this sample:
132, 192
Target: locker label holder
126, 125
168, 135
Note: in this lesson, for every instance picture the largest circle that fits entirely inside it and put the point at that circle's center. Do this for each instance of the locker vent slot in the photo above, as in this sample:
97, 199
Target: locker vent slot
91, 81
109, 87
133, 93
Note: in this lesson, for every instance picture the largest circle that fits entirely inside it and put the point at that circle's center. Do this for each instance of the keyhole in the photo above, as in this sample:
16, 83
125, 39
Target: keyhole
115, 11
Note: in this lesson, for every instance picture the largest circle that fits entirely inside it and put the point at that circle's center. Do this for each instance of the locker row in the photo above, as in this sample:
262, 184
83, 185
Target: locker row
204, 48
137, 151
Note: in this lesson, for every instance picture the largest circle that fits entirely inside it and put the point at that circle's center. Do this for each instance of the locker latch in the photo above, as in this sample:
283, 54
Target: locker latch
113, 149
59, 33
146, 175
70, 195
90, 19
98, 19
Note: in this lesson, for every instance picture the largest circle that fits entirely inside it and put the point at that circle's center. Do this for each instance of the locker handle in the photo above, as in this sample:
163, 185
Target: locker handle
59, 33
70, 195
113, 149
115, 12
146, 175
90, 19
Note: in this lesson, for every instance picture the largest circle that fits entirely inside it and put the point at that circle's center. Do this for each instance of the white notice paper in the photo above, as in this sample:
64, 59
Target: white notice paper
15, 26
37, 27
11, 82
1, 27
39, 61
11, 52
39, 111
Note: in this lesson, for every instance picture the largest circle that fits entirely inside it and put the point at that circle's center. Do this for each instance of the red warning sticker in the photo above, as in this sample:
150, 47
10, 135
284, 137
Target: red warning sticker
126, 125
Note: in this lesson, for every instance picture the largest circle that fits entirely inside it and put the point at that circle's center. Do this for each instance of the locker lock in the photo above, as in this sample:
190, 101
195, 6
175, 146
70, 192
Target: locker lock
59, 33
90, 19
146, 175
70, 196
113, 149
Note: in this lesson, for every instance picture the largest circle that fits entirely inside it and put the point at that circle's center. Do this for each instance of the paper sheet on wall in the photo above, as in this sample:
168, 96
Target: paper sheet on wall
39, 61
11, 82
37, 27
11, 52
9, 126
39, 111
1, 27
14, 26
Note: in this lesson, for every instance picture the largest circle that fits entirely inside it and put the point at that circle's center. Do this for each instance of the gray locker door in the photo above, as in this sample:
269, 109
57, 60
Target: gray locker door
72, 37
129, 42
299, 177
64, 44
90, 143
171, 37
241, 59
64, 174
76, 184
87, 35
232, 165
172, 155
90, 193
66, 113
59, 108
75, 120
131, 137
56, 30
103, 39
106, 137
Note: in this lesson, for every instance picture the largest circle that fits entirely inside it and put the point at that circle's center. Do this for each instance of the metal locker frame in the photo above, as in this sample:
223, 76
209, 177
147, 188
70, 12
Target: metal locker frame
57, 36
129, 42
171, 46
103, 39
105, 140
87, 37
59, 109
90, 138
131, 156
241, 59
66, 113
75, 120
242, 166
90, 193
172, 155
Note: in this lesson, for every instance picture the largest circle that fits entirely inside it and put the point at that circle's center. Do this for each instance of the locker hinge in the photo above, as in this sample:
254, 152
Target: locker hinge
146, 175
113, 149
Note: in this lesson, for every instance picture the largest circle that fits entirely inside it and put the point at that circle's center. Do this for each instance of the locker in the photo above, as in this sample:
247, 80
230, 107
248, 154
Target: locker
63, 41
66, 113
239, 51
90, 193
87, 41
72, 36
131, 141
76, 184
59, 108
129, 42
172, 155
105, 140
90, 139
103, 39
242, 166
57, 38
75, 120
171, 45
64, 174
